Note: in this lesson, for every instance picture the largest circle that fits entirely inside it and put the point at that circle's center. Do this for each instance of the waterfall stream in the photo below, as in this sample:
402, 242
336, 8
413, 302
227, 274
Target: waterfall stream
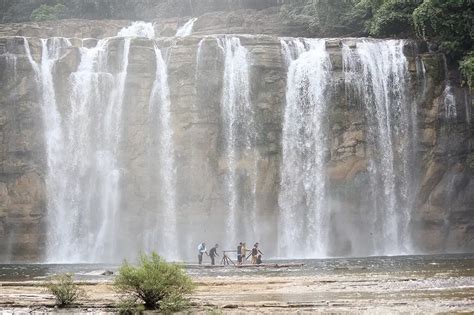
449, 99
303, 178
83, 149
84, 187
160, 106
186, 29
239, 133
383, 75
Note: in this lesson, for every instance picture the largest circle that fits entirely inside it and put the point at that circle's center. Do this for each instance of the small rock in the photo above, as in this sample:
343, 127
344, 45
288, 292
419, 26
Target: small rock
99, 273
231, 306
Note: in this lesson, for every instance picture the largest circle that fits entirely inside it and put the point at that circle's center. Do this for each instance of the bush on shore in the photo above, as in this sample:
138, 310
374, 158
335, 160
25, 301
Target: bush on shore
65, 290
154, 284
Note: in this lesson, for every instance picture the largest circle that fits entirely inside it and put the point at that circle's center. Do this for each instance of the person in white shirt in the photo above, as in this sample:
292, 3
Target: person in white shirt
201, 250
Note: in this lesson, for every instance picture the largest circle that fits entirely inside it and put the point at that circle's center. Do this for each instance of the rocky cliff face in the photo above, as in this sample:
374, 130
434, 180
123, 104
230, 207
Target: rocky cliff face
22, 189
239, 21
442, 220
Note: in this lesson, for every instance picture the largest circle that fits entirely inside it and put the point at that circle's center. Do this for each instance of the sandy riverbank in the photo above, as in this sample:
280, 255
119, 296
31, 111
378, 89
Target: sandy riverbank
282, 294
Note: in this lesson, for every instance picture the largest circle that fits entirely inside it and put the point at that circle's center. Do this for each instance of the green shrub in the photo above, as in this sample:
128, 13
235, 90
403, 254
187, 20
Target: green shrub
154, 283
392, 18
129, 306
46, 12
467, 69
319, 17
448, 22
64, 290
303, 15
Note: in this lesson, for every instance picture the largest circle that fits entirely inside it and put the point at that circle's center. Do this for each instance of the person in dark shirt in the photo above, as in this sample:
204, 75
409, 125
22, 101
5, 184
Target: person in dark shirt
259, 259
239, 253
213, 253
255, 251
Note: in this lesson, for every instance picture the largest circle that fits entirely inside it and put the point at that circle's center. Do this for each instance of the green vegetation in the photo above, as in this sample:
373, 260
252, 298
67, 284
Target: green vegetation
393, 17
64, 290
446, 22
467, 69
46, 12
323, 17
154, 284
449, 23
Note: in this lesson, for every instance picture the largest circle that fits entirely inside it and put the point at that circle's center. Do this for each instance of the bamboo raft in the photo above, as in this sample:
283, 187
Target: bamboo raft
289, 265
271, 265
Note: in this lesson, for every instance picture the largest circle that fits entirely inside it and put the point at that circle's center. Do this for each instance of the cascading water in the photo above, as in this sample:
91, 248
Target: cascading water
138, 29
11, 63
82, 222
165, 236
186, 29
239, 137
83, 148
467, 106
449, 99
303, 216
383, 72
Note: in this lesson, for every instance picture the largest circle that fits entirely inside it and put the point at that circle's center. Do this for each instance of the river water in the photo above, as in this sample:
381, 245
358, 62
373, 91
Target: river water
459, 266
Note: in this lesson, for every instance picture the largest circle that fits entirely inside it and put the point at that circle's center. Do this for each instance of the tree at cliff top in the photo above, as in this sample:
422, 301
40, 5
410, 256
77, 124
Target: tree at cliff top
46, 12
393, 17
448, 22
353, 17
322, 17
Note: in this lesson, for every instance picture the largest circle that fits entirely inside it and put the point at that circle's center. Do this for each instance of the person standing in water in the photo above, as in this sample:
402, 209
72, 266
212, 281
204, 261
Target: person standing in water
201, 250
239, 253
244, 252
255, 254
213, 253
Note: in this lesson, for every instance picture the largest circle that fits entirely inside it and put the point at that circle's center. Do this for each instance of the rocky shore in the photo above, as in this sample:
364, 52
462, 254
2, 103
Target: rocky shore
358, 291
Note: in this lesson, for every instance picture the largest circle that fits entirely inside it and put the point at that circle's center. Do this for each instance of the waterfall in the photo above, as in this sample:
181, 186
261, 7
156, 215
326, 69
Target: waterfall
303, 224
467, 106
382, 70
239, 137
91, 172
449, 100
82, 221
83, 142
160, 107
11, 60
421, 76
83, 148
11, 65
33, 63
138, 29
186, 29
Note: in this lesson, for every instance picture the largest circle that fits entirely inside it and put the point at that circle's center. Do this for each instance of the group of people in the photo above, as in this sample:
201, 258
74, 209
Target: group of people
255, 253
212, 253
242, 250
